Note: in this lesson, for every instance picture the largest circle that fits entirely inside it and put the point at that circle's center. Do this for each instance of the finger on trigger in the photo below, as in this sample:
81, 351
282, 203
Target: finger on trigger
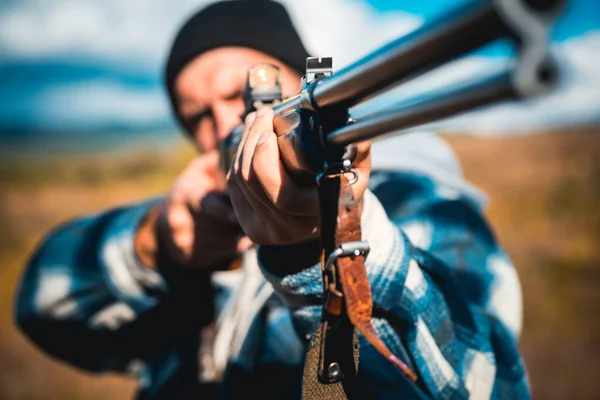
235, 166
262, 123
277, 184
249, 120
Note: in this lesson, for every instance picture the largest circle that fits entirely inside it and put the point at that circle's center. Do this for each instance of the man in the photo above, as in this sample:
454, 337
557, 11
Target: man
170, 291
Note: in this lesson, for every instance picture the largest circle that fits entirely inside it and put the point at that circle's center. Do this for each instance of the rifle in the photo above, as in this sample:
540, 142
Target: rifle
316, 136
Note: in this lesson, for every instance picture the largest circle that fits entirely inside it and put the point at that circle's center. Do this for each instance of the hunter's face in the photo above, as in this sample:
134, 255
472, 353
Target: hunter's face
209, 91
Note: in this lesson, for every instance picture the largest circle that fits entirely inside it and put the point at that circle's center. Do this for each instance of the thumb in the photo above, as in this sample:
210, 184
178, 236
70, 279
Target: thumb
208, 165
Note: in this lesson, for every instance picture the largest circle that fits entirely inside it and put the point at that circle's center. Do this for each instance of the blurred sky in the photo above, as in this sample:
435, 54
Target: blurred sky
94, 66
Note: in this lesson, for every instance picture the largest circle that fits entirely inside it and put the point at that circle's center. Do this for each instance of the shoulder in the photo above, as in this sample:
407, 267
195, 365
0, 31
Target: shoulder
425, 160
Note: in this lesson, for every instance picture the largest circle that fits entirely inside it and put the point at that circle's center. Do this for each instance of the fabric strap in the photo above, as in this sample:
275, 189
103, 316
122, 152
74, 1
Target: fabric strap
333, 353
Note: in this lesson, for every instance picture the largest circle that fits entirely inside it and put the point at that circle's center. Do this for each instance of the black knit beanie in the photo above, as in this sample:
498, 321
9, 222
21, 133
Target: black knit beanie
262, 25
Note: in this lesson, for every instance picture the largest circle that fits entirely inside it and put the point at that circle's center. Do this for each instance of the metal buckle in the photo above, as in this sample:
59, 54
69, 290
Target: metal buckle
338, 168
349, 249
330, 370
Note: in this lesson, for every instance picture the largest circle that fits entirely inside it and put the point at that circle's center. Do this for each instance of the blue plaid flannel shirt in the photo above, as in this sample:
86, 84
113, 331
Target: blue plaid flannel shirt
446, 300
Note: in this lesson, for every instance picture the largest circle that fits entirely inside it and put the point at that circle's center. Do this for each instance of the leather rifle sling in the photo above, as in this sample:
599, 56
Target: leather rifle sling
331, 363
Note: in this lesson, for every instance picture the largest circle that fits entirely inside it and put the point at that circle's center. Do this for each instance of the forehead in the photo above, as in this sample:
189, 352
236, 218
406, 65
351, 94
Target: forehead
216, 73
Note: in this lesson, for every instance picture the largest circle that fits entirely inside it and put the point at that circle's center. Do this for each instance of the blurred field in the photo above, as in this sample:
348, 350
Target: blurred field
545, 208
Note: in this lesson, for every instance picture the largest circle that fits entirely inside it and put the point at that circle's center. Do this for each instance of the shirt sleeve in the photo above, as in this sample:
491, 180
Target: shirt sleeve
86, 299
446, 297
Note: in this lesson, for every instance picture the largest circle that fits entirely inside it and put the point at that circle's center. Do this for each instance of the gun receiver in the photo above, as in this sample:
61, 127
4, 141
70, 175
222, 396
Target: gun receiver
263, 88
326, 98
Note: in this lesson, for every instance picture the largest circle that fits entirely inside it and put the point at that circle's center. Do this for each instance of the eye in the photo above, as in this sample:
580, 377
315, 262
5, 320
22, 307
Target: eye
193, 121
234, 95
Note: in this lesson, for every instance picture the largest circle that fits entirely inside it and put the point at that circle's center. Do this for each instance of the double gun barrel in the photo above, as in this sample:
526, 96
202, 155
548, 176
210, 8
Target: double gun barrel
327, 97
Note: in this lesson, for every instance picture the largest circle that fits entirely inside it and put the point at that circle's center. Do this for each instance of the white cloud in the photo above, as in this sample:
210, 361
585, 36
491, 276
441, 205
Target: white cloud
347, 29
132, 31
95, 103
137, 33
140, 31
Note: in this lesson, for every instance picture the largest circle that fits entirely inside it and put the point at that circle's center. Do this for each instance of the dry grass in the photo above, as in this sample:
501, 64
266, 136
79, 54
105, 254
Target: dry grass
35, 195
544, 189
545, 208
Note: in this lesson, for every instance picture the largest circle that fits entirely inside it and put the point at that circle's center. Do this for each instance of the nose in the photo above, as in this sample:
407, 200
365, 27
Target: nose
226, 117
